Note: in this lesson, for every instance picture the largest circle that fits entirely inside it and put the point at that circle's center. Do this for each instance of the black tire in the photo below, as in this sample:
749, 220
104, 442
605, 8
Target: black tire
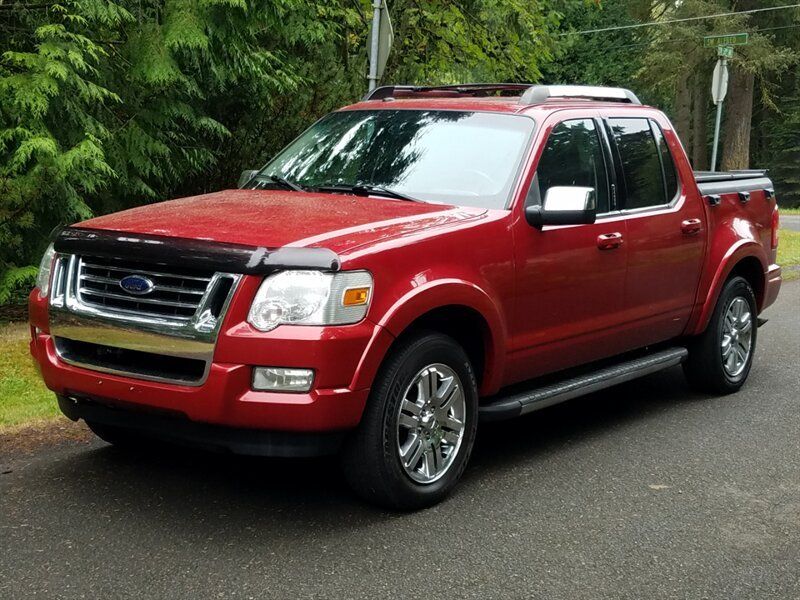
371, 457
704, 368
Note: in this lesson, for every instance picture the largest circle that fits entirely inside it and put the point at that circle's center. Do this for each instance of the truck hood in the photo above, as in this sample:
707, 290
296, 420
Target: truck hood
275, 219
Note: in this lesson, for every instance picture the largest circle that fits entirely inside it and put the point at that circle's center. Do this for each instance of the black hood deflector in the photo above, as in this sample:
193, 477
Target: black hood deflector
201, 254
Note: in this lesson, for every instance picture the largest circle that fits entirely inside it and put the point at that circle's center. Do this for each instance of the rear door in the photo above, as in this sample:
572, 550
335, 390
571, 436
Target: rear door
665, 228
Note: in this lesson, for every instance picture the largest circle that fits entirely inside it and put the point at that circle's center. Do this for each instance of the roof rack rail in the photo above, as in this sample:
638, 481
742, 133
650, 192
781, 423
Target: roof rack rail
536, 94
529, 93
459, 89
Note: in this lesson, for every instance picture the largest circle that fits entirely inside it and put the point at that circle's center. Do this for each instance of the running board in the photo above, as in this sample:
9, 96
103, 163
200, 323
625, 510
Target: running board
530, 400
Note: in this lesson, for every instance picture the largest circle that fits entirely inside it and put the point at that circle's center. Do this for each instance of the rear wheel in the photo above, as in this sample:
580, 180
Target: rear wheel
720, 359
419, 425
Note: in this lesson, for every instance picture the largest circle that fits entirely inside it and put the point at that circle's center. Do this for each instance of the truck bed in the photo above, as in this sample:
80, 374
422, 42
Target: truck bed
731, 182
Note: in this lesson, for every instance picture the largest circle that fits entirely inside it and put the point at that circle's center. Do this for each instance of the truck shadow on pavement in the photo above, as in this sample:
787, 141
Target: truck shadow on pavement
183, 487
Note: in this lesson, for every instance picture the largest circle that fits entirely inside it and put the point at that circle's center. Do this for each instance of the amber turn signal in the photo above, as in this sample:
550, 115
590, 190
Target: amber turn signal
356, 296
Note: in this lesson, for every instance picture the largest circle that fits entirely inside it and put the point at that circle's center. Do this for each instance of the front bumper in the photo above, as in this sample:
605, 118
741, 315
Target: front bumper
344, 360
170, 428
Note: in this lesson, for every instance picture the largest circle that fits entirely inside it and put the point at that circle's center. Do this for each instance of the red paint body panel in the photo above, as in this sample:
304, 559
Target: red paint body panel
268, 217
545, 299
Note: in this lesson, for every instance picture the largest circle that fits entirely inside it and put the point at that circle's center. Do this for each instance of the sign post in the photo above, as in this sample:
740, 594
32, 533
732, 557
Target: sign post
719, 82
380, 44
719, 88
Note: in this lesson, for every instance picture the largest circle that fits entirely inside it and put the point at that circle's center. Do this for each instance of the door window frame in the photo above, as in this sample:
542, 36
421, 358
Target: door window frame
618, 168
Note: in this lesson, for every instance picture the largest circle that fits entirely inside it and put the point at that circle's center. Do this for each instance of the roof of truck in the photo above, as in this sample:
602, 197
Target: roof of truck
501, 98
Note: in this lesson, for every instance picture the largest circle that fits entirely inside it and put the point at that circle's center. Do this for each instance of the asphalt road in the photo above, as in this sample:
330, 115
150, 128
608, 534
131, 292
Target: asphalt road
644, 491
791, 222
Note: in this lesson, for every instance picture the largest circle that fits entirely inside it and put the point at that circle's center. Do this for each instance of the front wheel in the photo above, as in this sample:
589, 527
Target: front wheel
720, 358
419, 425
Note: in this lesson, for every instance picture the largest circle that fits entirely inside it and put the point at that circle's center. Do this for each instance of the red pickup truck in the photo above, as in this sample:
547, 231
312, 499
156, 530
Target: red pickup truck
410, 265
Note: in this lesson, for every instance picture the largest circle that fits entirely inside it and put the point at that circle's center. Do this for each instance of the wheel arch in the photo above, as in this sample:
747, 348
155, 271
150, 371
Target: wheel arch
746, 259
456, 308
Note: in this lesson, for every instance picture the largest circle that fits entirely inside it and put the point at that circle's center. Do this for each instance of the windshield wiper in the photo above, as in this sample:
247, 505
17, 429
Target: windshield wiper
366, 190
287, 183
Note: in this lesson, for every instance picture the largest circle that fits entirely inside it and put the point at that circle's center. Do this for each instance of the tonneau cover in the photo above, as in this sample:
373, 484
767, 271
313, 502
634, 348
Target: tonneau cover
732, 182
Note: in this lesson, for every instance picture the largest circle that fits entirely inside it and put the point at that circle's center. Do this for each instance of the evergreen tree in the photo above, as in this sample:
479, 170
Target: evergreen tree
106, 104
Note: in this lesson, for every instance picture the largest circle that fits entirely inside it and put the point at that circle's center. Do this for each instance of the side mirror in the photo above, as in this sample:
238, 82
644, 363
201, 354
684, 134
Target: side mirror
245, 177
564, 205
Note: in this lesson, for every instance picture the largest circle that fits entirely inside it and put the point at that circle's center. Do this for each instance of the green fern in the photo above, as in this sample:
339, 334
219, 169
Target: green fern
16, 283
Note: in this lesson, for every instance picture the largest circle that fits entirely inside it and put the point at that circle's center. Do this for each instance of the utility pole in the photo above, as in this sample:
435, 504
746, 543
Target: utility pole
374, 44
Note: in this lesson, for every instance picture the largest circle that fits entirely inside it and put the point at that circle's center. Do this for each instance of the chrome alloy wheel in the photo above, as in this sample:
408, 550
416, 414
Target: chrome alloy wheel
737, 336
430, 423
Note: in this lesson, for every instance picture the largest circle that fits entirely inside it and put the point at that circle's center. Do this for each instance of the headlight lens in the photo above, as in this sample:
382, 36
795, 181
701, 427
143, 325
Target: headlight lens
45, 267
311, 298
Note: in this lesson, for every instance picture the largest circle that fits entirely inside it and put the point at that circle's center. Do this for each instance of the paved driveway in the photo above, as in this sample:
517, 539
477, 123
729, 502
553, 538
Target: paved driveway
790, 222
644, 491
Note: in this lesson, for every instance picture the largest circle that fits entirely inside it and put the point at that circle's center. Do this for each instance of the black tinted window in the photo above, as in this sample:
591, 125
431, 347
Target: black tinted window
670, 178
572, 157
641, 164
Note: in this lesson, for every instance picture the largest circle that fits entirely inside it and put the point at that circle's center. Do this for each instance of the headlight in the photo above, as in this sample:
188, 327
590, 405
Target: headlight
45, 267
311, 298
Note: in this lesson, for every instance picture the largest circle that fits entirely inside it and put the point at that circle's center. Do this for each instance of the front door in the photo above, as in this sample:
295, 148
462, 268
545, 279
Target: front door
570, 278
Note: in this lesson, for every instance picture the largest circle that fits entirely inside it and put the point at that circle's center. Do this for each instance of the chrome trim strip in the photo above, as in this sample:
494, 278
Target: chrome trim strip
73, 327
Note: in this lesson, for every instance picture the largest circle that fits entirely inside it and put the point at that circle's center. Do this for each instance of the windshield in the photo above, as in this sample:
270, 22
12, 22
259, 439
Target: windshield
454, 157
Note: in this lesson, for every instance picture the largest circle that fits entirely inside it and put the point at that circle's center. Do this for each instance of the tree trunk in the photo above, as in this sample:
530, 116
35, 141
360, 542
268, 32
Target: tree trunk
739, 113
700, 158
683, 110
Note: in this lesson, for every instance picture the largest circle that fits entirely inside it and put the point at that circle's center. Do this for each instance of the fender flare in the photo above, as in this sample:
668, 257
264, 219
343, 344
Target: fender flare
735, 254
425, 298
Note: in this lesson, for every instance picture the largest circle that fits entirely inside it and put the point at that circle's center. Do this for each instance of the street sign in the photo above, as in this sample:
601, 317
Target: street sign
383, 43
719, 81
731, 39
725, 51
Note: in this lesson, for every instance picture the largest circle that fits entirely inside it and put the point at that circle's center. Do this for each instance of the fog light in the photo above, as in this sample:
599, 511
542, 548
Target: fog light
277, 379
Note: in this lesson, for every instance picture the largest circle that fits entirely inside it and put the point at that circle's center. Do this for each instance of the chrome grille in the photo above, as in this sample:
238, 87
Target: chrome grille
99, 325
177, 292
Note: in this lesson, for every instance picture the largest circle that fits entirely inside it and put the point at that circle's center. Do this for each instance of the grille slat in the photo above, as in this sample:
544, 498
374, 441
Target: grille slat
176, 295
140, 271
158, 287
136, 299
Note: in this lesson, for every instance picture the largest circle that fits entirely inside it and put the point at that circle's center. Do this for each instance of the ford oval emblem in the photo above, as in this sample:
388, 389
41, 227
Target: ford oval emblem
138, 285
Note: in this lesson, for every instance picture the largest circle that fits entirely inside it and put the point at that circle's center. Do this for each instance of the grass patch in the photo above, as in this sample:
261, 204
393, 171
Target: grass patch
23, 395
790, 211
789, 253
